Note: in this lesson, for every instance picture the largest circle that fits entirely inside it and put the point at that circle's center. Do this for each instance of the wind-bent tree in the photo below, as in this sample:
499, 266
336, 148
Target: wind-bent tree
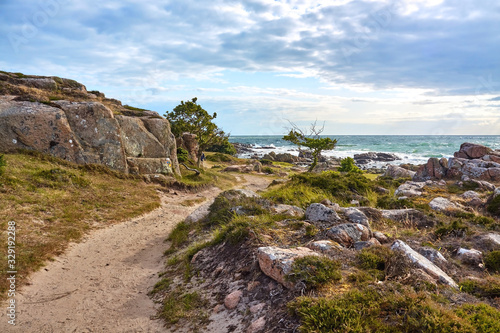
311, 140
191, 117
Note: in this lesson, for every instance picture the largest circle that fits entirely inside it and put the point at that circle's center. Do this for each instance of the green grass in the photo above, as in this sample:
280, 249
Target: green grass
390, 309
206, 178
494, 207
189, 306
489, 288
300, 195
54, 202
128, 107
374, 257
314, 271
456, 228
492, 261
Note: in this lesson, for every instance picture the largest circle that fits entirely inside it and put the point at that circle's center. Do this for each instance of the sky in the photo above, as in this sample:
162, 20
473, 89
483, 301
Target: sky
409, 67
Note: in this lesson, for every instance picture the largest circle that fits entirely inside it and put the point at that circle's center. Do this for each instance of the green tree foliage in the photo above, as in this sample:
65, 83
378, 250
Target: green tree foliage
224, 147
191, 117
312, 141
347, 165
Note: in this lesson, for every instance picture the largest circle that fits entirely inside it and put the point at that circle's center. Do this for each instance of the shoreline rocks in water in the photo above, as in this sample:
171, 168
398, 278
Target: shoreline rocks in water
370, 157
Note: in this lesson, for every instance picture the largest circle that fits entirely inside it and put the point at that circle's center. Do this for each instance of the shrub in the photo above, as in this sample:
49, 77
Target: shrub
300, 195
219, 157
483, 318
494, 206
3, 163
268, 170
492, 261
225, 147
390, 202
182, 155
347, 165
374, 257
314, 271
454, 229
487, 288
342, 186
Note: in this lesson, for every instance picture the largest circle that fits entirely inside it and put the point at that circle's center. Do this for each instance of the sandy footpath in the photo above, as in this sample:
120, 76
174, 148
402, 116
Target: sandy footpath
101, 283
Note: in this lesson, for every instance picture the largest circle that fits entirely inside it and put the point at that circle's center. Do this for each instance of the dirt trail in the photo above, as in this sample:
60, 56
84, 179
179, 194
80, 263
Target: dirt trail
101, 283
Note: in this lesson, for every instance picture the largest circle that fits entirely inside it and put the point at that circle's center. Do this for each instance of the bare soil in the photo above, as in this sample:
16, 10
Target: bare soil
101, 284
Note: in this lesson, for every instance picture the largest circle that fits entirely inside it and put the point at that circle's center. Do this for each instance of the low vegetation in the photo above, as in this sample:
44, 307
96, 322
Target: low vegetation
54, 202
391, 308
371, 290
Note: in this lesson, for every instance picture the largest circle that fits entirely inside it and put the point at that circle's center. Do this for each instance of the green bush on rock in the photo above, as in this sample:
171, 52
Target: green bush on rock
314, 271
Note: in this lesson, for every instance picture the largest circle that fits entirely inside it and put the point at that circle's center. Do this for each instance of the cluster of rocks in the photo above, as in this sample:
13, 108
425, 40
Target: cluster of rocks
242, 148
472, 161
351, 232
366, 158
344, 229
282, 157
83, 129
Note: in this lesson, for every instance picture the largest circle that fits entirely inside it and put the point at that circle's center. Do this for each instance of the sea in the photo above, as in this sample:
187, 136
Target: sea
414, 149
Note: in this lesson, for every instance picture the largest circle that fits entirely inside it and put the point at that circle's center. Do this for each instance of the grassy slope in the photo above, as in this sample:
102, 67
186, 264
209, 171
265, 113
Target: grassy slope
358, 303
54, 202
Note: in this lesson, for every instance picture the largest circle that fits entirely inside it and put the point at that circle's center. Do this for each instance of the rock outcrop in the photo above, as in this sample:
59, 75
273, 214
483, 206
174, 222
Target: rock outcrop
349, 233
366, 158
395, 172
424, 263
59, 117
276, 262
472, 161
317, 212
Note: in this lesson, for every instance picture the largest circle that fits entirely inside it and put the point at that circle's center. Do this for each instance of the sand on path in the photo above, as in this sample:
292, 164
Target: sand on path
101, 283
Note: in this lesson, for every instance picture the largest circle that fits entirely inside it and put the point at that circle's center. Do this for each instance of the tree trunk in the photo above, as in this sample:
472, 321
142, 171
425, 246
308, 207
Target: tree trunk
314, 163
199, 162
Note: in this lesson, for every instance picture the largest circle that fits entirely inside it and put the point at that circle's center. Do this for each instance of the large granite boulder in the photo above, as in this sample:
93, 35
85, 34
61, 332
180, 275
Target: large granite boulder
88, 129
410, 189
32, 125
434, 169
349, 233
354, 215
396, 172
97, 131
317, 212
276, 262
472, 151
160, 128
423, 263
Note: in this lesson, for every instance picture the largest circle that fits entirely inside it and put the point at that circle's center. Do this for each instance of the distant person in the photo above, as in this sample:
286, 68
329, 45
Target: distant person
203, 157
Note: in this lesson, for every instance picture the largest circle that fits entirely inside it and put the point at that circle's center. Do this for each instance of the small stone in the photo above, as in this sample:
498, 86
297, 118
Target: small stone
252, 285
231, 301
470, 257
382, 238
324, 246
441, 204
218, 308
356, 216
361, 245
257, 325
258, 307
